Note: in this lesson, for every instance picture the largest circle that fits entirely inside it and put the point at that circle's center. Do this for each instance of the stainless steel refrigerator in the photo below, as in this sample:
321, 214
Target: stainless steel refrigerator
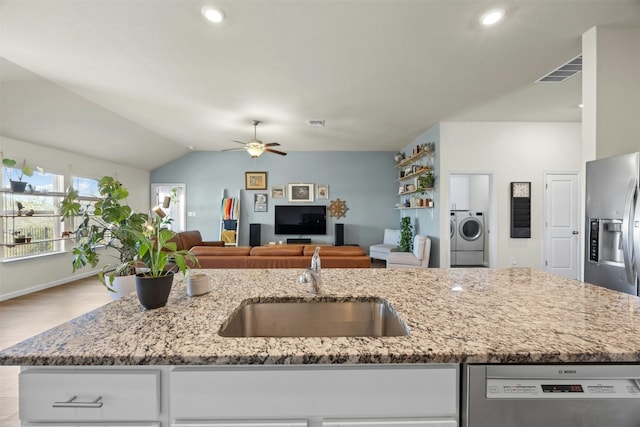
612, 222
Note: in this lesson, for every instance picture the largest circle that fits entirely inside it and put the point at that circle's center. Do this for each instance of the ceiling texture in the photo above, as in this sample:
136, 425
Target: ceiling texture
119, 79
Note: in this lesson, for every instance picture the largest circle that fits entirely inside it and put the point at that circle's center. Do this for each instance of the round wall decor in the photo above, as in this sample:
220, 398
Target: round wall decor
338, 208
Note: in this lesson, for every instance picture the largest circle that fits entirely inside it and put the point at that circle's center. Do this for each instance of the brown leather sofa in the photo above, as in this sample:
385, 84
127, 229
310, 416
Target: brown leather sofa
188, 239
280, 256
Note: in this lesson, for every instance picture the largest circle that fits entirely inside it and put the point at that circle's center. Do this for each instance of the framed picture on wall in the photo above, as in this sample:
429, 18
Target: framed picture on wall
323, 191
255, 180
260, 202
278, 192
300, 192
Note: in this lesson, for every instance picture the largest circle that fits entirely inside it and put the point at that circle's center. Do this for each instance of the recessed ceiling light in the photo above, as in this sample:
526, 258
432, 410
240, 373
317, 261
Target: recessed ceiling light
492, 17
212, 14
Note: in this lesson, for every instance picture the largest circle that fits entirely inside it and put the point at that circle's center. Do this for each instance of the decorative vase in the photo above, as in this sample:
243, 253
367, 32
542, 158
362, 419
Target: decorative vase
18, 186
153, 292
122, 285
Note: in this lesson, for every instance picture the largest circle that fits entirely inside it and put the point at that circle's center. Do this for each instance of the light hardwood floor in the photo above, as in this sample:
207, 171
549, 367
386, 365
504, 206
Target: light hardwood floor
28, 315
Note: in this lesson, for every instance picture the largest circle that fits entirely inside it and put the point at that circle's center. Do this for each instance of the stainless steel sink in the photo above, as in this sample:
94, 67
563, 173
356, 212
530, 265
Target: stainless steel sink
317, 318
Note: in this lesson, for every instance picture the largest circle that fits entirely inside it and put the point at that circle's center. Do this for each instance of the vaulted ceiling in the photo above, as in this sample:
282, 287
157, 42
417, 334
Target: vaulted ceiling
122, 79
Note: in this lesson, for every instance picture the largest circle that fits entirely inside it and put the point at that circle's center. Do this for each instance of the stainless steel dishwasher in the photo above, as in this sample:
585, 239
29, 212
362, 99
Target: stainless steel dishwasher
551, 395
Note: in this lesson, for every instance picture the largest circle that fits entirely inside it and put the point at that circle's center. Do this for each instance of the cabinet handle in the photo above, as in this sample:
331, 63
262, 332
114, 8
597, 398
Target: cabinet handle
73, 403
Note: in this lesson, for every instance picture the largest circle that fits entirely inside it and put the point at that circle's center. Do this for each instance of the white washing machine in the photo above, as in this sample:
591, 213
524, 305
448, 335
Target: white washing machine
453, 238
469, 238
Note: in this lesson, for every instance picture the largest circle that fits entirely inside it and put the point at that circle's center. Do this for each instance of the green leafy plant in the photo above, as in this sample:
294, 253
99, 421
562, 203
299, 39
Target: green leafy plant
106, 222
20, 171
406, 235
425, 182
157, 253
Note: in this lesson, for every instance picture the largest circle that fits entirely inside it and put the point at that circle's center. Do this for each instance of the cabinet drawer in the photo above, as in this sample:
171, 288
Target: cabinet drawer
400, 422
89, 395
242, 423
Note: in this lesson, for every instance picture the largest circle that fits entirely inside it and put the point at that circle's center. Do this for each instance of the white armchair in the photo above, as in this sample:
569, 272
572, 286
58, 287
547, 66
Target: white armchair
389, 244
419, 258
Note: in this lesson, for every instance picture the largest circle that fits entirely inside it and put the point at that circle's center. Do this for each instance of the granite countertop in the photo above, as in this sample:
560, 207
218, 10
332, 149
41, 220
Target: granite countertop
475, 315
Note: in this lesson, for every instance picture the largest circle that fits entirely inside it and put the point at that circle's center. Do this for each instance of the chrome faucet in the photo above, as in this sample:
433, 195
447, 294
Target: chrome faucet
312, 274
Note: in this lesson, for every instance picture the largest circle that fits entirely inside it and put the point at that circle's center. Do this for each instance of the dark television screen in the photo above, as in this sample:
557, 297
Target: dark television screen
301, 219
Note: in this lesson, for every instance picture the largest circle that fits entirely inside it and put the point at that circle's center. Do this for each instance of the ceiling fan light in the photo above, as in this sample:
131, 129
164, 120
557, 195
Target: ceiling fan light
255, 149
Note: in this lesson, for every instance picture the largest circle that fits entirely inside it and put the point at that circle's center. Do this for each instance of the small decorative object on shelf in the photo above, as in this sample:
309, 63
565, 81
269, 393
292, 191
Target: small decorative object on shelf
398, 157
18, 237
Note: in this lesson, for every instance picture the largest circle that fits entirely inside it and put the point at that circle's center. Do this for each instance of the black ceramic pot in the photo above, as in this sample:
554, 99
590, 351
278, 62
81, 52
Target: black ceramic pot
153, 292
18, 186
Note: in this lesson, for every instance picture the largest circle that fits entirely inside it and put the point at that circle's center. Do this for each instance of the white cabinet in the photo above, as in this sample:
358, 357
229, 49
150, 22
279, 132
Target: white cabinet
89, 395
420, 395
459, 193
318, 391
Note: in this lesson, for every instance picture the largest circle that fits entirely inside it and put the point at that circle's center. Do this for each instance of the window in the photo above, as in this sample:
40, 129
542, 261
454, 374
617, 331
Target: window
30, 220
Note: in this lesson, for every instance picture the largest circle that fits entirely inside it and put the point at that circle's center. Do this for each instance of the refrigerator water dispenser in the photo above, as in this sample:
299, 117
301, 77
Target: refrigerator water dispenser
606, 241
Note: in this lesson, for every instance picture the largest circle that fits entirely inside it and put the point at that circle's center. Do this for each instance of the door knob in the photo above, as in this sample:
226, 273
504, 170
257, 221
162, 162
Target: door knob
574, 232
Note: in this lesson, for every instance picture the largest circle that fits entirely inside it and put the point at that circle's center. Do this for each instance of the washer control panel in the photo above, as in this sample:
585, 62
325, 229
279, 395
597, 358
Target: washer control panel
562, 389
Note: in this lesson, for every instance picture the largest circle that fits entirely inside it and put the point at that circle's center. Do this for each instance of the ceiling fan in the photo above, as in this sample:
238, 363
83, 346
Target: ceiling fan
255, 147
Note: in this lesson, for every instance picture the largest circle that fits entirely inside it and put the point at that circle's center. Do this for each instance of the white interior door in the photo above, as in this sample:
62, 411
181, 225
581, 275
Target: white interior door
562, 225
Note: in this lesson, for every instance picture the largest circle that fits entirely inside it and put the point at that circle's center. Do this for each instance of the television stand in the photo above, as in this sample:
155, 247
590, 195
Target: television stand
299, 240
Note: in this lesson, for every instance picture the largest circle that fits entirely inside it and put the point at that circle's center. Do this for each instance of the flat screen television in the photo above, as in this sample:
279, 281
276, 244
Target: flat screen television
300, 219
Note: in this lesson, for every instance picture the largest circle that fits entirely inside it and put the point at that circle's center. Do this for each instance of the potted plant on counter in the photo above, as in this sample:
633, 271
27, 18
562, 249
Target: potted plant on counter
106, 223
158, 259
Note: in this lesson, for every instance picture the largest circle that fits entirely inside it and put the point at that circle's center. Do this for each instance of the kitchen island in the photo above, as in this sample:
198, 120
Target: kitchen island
178, 369
517, 315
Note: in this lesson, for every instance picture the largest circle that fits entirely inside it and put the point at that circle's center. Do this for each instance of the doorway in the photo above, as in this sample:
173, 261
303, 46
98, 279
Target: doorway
561, 248
472, 194
172, 195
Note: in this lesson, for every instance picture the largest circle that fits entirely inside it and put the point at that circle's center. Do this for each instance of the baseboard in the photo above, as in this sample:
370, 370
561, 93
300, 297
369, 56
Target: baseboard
48, 285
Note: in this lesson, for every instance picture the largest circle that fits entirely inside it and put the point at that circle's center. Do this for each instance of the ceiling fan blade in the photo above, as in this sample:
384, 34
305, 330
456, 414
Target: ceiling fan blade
239, 142
272, 144
233, 149
282, 153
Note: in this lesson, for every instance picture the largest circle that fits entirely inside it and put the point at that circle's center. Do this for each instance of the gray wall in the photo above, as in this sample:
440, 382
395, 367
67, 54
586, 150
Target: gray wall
365, 180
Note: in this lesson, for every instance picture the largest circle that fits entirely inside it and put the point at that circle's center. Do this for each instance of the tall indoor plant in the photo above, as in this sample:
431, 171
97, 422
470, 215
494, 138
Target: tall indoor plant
106, 222
143, 244
406, 235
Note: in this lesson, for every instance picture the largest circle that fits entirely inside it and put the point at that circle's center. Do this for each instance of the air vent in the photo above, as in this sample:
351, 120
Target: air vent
316, 123
563, 72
